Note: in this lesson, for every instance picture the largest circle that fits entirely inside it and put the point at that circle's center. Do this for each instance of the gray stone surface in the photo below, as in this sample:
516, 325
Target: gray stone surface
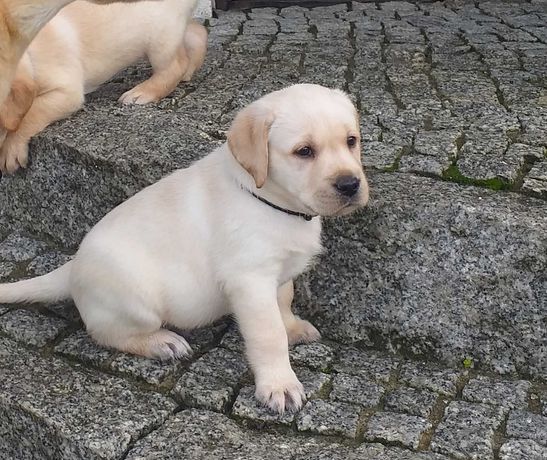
31, 328
211, 381
523, 424
317, 356
440, 270
522, 450
51, 410
81, 347
150, 370
356, 390
392, 427
329, 418
48, 262
18, 248
443, 381
535, 182
366, 363
203, 435
454, 90
509, 394
6, 269
468, 430
412, 401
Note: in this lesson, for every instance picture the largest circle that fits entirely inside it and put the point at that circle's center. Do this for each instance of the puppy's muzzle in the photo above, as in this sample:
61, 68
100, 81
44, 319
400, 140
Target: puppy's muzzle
347, 186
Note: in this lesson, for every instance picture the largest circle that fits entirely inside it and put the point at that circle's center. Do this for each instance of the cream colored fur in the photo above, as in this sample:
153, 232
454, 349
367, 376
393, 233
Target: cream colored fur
85, 45
197, 245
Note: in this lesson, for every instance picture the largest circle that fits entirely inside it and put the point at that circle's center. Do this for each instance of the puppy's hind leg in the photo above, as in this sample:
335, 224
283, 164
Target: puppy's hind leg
171, 63
298, 330
133, 328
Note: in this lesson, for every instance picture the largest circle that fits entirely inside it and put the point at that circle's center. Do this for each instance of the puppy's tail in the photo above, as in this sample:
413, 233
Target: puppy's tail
47, 288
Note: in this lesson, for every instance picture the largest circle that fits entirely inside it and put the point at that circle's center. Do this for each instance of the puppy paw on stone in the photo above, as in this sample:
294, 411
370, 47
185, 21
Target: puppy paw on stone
166, 345
13, 155
139, 95
302, 331
281, 393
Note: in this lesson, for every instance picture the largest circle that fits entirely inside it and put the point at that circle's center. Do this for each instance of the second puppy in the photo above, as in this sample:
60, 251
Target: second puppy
84, 46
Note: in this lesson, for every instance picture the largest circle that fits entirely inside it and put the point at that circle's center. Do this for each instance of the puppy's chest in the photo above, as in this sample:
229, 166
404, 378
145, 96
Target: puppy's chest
297, 260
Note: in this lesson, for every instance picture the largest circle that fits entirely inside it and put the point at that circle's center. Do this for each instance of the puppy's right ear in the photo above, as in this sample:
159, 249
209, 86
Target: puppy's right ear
248, 140
17, 104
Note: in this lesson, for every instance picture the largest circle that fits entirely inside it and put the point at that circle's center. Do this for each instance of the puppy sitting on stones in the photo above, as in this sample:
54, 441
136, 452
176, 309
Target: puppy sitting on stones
226, 236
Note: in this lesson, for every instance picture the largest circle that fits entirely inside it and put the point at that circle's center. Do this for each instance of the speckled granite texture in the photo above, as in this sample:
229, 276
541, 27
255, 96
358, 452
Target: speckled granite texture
432, 301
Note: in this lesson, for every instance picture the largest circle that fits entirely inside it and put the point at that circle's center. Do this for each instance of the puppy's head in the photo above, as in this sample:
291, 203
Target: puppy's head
302, 144
16, 105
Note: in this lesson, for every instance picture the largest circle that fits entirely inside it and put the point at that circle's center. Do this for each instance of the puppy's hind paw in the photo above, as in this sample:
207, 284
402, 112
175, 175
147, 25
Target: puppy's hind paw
302, 331
166, 345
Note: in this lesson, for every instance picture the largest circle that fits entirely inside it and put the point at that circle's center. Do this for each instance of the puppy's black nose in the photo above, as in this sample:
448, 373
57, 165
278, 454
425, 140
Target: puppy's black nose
347, 185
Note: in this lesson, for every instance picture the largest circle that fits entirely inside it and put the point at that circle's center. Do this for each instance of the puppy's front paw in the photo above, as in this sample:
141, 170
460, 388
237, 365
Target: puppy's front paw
280, 392
13, 155
140, 94
302, 331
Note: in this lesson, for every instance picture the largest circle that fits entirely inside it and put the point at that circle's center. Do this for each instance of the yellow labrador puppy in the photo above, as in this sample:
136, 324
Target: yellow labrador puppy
20, 21
226, 236
84, 46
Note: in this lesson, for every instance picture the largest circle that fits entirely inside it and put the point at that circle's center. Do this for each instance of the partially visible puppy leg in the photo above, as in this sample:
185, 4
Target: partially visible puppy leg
46, 108
170, 65
129, 324
195, 47
254, 305
298, 330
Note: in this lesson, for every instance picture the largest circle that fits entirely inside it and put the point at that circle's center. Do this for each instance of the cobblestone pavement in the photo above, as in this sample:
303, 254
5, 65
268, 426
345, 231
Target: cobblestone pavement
451, 90
447, 89
69, 398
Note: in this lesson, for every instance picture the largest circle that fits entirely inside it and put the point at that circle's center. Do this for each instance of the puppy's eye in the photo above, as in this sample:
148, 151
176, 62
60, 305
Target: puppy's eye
352, 141
304, 152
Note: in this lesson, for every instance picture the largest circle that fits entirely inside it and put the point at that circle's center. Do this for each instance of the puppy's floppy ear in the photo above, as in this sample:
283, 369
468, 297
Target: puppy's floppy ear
18, 102
248, 140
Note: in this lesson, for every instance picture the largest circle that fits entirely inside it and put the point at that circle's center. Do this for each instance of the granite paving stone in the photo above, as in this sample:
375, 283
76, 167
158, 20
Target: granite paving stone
412, 401
49, 409
151, 371
329, 418
380, 155
467, 430
211, 381
317, 356
392, 427
535, 181
19, 248
6, 269
356, 389
509, 394
443, 381
32, 328
80, 346
47, 262
366, 363
522, 450
524, 424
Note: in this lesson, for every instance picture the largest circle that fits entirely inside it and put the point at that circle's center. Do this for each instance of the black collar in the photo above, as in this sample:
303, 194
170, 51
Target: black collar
286, 211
